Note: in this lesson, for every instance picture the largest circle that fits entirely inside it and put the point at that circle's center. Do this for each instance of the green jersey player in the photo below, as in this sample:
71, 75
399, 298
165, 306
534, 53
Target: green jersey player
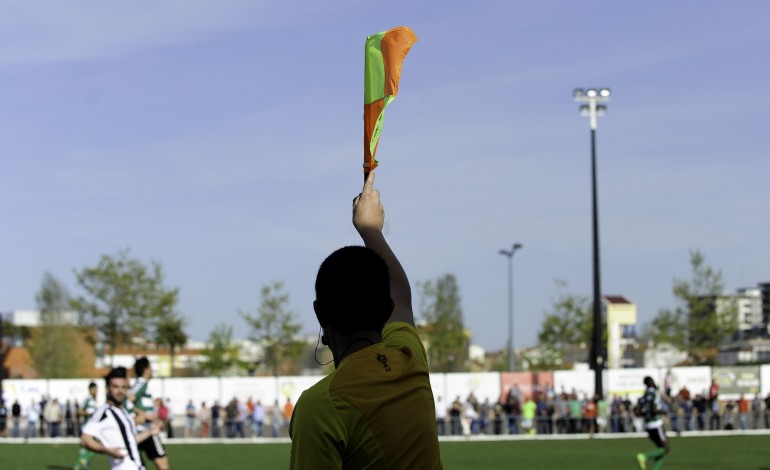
142, 401
648, 408
84, 413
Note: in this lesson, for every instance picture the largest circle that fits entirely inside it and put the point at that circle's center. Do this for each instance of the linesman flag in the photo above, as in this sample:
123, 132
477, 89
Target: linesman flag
384, 55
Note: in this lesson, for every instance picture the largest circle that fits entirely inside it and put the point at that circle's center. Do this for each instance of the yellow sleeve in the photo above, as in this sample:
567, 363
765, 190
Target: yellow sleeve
399, 335
316, 431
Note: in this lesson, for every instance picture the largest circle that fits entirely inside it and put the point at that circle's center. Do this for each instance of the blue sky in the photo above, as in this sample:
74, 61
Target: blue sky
223, 139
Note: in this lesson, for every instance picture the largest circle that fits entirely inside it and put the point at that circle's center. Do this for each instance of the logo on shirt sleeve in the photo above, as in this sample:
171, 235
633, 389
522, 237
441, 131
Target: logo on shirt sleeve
383, 360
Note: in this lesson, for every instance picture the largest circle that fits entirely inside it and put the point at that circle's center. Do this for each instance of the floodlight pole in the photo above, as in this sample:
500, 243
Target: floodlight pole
2, 361
509, 254
593, 107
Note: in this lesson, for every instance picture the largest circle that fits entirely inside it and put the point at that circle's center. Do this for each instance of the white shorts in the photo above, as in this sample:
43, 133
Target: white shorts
124, 464
601, 421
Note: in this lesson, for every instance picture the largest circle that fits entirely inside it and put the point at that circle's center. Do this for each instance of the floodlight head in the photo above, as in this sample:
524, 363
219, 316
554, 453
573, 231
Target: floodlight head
601, 109
578, 93
592, 93
585, 110
517, 246
604, 92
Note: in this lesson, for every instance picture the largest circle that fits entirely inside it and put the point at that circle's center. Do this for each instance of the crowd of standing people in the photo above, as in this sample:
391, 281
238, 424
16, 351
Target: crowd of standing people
238, 418
45, 418
548, 412
541, 412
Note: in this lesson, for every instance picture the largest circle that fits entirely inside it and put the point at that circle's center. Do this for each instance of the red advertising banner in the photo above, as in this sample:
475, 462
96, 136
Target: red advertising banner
529, 383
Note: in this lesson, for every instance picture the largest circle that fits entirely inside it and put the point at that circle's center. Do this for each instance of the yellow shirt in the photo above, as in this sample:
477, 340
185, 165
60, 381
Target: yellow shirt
375, 411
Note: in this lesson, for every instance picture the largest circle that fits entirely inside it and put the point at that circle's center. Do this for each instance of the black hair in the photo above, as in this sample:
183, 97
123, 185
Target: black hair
92, 385
141, 365
116, 373
352, 291
649, 382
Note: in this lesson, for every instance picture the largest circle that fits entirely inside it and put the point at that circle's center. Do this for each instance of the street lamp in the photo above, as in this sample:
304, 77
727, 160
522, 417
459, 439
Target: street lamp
509, 254
592, 106
2, 358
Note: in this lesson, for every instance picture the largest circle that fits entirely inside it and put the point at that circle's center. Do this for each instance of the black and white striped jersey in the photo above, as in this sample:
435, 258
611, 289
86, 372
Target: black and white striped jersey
114, 427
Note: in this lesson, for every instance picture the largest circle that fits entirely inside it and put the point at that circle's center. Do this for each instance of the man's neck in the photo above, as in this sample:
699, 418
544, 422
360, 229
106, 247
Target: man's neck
354, 342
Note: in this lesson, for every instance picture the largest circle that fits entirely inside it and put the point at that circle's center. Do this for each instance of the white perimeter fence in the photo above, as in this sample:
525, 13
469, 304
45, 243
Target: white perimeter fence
733, 381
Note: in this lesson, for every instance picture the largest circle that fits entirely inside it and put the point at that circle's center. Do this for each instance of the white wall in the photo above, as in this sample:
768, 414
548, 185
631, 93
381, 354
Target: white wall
268, 389
580, 381
764, 377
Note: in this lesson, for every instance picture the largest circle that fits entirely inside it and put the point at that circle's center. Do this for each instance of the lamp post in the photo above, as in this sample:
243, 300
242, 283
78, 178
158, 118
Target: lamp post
2, 360
509, 254
592, 106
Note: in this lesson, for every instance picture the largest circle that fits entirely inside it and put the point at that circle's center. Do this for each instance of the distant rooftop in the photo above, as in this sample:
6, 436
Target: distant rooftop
616, 299
32, 318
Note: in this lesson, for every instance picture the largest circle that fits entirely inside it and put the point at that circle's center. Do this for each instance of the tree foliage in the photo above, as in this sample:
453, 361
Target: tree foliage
444, 331
51, 345
668, 327
221, 353
567, 326
169, 331
704, 317
274, 328
124, 299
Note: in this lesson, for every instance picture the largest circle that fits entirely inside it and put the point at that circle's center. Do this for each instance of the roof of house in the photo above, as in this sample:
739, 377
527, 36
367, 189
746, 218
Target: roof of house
616, 299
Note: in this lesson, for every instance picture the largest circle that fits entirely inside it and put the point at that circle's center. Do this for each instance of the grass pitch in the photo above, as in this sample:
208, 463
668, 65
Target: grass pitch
719, 452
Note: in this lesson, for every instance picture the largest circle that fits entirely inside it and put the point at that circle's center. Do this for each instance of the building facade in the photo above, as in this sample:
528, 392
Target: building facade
620, 314
749, 308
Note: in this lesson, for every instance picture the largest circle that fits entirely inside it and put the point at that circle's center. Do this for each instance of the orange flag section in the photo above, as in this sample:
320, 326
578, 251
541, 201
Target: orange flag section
372, 113
384, 56
395, 45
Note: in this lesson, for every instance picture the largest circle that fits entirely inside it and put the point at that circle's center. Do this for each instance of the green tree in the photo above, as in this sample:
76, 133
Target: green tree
668, 327
274, 328
444, 331
221, 353
52, 346
169, 331
704, 318
567, 326
124, 299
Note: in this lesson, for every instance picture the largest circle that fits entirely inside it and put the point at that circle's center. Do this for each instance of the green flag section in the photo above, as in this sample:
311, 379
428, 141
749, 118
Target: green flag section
384, 55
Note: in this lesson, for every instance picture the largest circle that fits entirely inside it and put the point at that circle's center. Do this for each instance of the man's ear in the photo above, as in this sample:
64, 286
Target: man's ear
319, 312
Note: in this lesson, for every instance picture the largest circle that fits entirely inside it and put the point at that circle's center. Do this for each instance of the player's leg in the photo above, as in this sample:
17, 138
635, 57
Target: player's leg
161, 463
658, 437
155, 451
641, 459
84, 458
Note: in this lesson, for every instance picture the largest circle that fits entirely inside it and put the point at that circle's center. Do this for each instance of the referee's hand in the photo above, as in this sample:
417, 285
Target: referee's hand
368, 213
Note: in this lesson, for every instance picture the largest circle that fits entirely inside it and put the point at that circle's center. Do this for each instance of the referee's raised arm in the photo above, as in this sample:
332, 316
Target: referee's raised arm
369, 218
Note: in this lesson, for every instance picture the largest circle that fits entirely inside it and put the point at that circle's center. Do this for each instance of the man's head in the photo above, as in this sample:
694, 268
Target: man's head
649, 382
92, 390
117, 385
353, 291
142, 368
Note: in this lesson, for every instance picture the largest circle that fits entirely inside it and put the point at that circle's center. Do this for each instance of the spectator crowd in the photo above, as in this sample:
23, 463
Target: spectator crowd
52, 418
548, 412
541, 412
